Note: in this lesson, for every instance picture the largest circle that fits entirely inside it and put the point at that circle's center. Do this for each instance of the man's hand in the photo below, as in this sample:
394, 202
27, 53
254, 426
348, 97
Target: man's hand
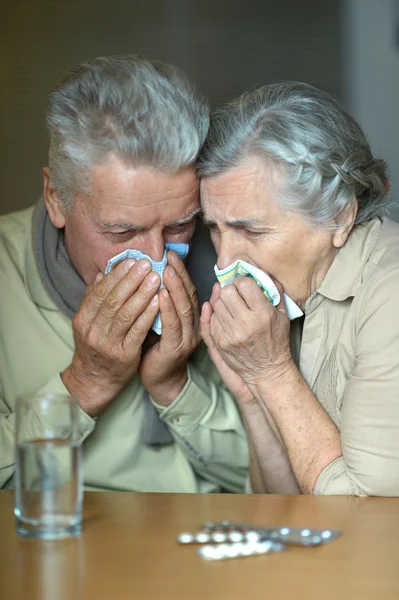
163, 368
109, 330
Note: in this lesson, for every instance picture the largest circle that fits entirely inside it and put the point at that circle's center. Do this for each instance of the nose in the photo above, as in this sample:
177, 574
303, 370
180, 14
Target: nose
152, 244
155, 245
227, 250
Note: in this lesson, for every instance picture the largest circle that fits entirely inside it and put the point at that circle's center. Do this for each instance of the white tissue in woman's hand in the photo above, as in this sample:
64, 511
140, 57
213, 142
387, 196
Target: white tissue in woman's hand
240, 267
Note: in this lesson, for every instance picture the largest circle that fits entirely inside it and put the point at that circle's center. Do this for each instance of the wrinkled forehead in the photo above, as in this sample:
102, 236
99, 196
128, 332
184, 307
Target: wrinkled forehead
123, 192
246, 189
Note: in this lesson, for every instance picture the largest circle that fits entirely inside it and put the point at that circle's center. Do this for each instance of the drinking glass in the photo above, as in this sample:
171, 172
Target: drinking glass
49, 473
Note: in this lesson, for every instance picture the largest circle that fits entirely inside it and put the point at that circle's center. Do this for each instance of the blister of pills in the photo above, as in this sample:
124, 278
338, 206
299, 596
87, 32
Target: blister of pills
226, 539
235, 550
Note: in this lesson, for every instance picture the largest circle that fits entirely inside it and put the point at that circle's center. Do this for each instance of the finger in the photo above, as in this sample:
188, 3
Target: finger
131, 310
188, 312
219, 328
215, 293
205, 325
252, 294
139, 330
181, 270
96, 293
206, 313
222, 315
233, 301
171, 325
125, 289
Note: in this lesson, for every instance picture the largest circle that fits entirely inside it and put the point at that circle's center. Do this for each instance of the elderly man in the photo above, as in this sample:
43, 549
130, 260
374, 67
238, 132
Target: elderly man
124, 137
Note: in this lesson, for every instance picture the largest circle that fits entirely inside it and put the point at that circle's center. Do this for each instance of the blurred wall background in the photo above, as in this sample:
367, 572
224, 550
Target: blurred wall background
370, 85
225, 46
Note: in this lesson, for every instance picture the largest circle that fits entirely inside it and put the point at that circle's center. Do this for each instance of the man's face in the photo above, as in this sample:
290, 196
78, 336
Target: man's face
128, 208
247, 223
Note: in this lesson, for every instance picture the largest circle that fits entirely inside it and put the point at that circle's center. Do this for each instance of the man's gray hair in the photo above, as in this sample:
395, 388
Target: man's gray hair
324, 155
144, 112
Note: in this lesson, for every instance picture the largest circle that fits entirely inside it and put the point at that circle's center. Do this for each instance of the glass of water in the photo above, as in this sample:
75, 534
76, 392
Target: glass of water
49, 474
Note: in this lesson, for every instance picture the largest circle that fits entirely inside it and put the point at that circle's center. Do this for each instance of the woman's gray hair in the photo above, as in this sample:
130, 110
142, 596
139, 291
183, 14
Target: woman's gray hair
325, 157
145, 112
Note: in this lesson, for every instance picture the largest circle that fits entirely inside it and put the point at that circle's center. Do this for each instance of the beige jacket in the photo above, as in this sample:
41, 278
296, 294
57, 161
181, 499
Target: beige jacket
348, 352
209, 452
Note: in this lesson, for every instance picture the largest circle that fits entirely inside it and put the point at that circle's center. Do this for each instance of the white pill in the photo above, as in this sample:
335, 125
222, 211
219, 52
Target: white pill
185, 538
305, 532
218, 536
202, 538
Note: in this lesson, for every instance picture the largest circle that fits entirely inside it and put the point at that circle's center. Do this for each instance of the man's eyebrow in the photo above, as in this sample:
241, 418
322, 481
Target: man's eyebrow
186, 219
124, 226
131, 227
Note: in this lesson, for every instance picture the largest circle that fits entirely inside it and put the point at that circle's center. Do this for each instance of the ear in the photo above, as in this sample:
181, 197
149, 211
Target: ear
53, 202
341, 234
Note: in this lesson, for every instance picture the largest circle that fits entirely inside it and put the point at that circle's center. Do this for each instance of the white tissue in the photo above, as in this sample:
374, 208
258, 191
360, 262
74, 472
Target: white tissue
242, 268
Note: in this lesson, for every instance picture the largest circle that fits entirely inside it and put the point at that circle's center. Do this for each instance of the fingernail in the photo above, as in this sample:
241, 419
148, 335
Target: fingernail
144, 265
152, 279
171, 271
154, 301
98, 278
164, 292
173, 258
130, 262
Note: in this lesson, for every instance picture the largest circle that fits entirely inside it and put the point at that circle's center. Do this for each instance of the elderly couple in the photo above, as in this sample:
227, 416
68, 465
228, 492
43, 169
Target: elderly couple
232, 395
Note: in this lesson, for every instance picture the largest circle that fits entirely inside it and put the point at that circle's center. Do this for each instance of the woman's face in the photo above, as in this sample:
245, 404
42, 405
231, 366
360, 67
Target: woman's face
247, 223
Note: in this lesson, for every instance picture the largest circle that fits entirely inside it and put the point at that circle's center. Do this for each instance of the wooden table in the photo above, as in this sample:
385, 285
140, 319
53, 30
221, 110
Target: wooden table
128, 550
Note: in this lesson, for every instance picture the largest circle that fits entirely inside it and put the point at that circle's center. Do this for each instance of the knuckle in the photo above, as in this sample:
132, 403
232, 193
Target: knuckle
138, 329
100, 290
244, 283
227, 290
123, 317
91, 337
145, 292
192, 294
174, 327
187, 312
111, 302
77, 322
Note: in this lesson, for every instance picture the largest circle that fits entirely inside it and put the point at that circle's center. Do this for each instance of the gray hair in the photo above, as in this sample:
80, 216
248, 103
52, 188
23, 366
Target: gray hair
145, 112
324, 154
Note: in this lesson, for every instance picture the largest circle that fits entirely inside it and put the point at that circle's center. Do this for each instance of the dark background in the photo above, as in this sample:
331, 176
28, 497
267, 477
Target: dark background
225, 46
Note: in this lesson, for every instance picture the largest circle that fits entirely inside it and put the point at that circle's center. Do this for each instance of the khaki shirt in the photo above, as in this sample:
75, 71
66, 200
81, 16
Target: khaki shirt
209, 451
349, 355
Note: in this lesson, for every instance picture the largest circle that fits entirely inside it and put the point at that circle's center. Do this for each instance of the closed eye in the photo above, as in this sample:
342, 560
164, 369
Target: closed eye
180, 228
122, 235
252, 234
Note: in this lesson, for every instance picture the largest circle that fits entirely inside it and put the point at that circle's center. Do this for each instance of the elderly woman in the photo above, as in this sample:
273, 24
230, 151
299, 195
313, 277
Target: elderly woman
289, 185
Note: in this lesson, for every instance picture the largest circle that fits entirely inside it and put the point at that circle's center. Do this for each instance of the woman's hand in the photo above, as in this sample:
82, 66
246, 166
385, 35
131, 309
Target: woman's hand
251, 336
232, 380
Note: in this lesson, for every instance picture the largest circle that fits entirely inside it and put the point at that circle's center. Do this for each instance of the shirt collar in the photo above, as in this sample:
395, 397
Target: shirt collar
344, 277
